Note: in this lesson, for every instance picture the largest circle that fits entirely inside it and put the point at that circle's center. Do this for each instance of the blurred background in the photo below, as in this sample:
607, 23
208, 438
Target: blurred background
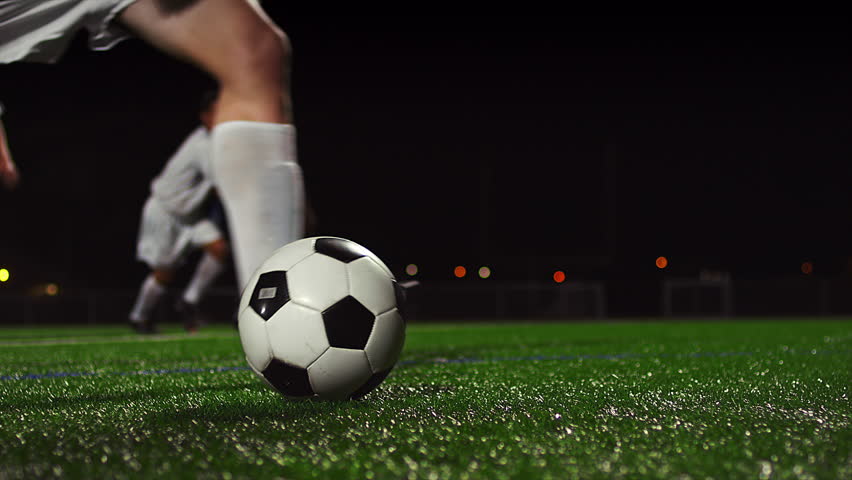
575, 167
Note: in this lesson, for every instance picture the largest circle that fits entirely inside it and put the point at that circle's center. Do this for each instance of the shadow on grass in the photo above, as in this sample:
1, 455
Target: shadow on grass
265, 404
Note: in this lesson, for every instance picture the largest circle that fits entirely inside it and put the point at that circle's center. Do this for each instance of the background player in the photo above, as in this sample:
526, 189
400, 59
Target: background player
175, 221
254, 165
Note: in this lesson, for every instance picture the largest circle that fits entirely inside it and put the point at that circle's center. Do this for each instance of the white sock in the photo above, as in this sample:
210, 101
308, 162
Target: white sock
256, 174
149, 295
207, 270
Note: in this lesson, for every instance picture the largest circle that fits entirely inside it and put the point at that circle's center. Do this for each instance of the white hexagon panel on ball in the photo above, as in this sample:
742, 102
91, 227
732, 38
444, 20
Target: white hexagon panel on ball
339, 372
246, 297
386, 341
254, 339
297, 335
318, 282
371, 285
289, 255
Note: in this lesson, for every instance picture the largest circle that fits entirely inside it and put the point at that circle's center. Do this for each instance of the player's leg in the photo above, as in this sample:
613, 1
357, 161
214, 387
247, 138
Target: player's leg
254, 142
153, 289
211, 265
260, 182
233, 40
161, 243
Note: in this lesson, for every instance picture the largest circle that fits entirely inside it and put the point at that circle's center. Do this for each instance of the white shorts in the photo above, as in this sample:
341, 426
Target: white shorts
164, 240
40, 30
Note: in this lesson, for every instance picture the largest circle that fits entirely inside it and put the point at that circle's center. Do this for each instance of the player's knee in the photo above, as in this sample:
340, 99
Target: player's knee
267, 58
218, 249
163, 276
254, 80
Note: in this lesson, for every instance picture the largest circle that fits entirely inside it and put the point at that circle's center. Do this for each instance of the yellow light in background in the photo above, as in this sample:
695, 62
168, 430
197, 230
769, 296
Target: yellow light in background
51, 289
484, 272
808, 268
662, 262
4, 275
559, 276
411, 270
460, 272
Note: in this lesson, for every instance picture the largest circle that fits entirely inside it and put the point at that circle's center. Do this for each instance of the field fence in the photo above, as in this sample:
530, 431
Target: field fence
678, 298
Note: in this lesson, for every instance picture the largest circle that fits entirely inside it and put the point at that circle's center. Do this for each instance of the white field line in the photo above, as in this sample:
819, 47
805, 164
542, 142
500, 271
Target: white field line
167, 337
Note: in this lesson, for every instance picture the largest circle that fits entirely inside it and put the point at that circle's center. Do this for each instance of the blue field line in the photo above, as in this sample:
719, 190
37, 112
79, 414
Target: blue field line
40, 376
433, 361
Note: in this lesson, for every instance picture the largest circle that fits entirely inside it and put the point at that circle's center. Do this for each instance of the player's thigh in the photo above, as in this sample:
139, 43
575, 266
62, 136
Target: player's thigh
233, 40
163, 275
217, 248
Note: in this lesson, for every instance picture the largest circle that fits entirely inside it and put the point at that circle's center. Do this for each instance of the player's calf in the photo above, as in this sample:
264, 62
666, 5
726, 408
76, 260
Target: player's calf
152, 291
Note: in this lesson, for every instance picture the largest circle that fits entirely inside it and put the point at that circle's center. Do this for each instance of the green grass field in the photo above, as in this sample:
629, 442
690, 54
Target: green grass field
747, 399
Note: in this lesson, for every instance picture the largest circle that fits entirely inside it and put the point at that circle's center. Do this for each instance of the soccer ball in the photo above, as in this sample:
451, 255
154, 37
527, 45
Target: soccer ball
320, 318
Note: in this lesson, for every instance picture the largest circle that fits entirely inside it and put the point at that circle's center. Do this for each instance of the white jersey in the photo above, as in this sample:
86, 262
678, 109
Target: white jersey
184, 184
40, 30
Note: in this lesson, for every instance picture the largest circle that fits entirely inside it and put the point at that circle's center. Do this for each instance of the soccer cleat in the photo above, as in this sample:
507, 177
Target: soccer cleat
190, 315
144, 328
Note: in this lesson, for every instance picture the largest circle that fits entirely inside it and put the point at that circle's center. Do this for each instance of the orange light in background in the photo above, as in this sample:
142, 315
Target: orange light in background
808, 268
460, 272
662, 262
484, 272
51, 289
4, 275
411, 270
559, 276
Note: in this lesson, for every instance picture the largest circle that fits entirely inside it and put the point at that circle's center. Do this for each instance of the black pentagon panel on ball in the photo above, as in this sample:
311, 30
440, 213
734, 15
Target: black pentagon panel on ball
289, 380
270, 294
348, 324
340, 249
370, 384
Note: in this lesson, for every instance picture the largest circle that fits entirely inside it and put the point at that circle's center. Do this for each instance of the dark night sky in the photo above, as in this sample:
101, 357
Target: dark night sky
591, 144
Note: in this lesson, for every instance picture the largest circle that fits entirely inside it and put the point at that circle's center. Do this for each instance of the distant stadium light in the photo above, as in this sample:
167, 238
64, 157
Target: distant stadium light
411, 270
484, 272
662, 262
4, 275
51, 289
460, 272
559, 276
807, 268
